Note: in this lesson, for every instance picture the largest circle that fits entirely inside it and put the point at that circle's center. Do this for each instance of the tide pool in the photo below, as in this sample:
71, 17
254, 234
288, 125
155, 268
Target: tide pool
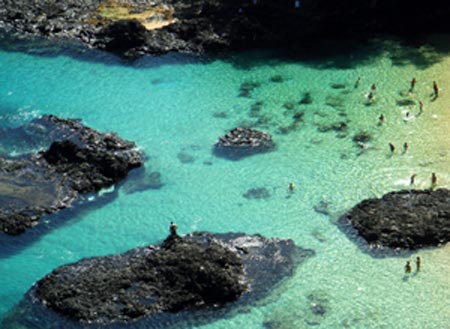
176, 106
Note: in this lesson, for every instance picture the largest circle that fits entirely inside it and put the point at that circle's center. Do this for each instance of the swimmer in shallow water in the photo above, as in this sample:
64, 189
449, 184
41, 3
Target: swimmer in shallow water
413, 84
407, 115
408, 267
418, 263
412, 179
433, 180
435, 89
391, 147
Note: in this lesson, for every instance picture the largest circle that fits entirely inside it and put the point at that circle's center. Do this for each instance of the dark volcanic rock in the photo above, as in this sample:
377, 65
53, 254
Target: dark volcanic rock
198, 273
79, 160
240, 142
122, 36
173, 25
405, 219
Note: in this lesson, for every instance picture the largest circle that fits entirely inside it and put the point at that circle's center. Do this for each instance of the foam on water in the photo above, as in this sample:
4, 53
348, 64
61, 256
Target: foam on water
175, 107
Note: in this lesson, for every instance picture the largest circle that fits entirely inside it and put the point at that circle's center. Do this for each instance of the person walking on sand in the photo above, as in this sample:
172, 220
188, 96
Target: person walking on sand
408, 267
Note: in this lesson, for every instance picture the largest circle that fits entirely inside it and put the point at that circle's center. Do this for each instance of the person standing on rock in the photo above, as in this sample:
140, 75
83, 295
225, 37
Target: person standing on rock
173, 229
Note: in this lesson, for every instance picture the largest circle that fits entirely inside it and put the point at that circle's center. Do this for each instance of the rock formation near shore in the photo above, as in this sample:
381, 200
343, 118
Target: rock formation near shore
240, 142
184, 279
79, 160
406, 219
131, 27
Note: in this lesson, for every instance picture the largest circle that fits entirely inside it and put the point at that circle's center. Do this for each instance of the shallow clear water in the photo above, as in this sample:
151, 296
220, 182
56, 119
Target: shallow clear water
172, 106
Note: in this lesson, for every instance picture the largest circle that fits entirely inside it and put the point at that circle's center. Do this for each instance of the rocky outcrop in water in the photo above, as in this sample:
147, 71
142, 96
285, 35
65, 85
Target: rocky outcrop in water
79, 160
182, 279
132, 27
240, 142
406, 219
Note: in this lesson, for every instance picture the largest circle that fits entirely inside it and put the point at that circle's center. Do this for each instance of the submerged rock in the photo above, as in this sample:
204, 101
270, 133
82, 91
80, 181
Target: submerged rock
362, 137
405, 102
405, 219
277, 78
338, 86
246, 88
240, 142
323, 207
183, 279
335, 126
79, 160
306, 99
140, 180
335, 102
257, 193
185, 157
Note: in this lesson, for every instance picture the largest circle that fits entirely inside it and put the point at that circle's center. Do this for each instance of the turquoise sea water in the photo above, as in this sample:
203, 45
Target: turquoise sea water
174, 107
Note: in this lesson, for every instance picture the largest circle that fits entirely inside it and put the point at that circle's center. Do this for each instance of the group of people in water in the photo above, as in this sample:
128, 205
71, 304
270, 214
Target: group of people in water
371, 97
408, 267
382, 118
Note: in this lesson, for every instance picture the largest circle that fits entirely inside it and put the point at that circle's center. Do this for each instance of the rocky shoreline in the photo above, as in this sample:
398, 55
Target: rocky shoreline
183, 279
408, 219
79, 160
132, 28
